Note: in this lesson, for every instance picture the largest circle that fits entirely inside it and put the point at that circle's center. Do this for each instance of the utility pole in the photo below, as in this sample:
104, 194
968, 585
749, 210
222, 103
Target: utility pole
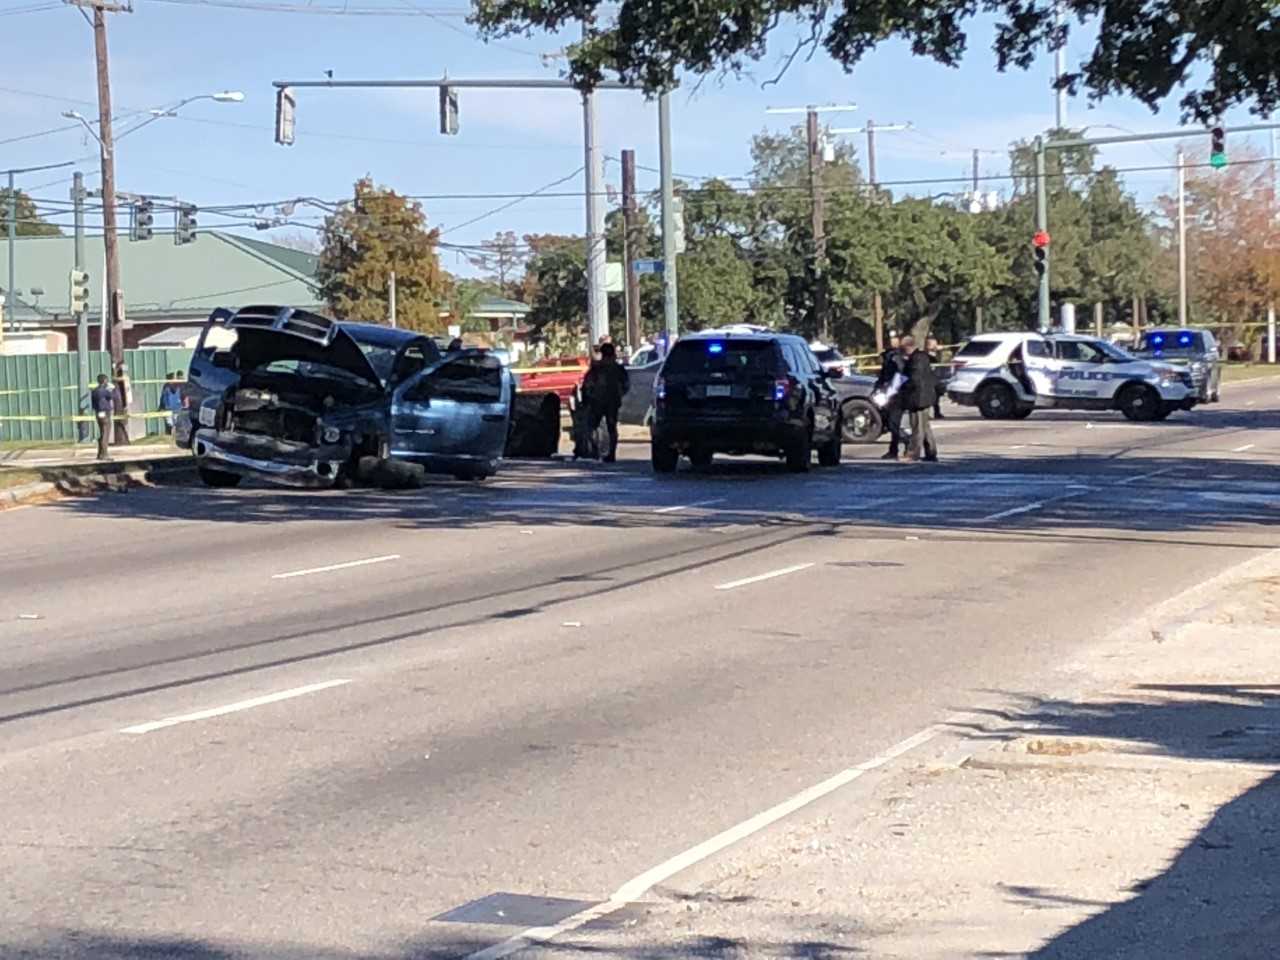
597, 299
113, 309
670, 300
391, 300
1059, 68
630, 217
11, 299
82, 316
817, 205
1182, 239
1042, 225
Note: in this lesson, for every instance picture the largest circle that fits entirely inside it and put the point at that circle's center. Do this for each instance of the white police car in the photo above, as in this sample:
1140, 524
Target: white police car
1007, 375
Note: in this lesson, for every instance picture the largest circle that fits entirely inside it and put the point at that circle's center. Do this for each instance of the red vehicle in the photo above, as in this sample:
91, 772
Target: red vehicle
563, 376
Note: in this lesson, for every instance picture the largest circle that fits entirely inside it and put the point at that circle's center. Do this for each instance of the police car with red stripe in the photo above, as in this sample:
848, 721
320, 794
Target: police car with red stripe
1008, 375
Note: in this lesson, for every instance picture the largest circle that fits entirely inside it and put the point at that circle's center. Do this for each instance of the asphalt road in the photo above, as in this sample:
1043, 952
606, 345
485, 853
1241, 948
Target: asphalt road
283, 724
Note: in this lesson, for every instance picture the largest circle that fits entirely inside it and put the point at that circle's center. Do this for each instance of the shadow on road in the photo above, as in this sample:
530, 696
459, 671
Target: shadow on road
1220, 895
88, 945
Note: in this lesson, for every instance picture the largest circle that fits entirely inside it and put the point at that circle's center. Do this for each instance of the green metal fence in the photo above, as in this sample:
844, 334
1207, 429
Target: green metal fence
39, 396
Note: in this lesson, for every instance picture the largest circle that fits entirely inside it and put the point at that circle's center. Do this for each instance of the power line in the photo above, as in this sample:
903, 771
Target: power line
508, 206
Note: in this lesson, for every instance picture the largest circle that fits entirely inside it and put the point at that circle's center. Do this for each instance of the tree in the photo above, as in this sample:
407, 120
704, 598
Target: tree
30, 223
379, 233
1143, 48
1233, 240
501, 258
555, 285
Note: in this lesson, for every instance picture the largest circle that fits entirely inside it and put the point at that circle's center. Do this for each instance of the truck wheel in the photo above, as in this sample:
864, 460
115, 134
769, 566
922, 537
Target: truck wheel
799, 455
1138, 402
829, 453
996, 401
860, 422
218, 478
665, 459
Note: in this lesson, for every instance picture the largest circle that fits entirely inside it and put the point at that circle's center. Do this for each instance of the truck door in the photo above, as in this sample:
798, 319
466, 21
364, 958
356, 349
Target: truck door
461, 407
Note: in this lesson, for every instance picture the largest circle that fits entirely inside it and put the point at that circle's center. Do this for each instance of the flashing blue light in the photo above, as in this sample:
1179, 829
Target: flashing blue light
715, 347
1157, 339
1184, 339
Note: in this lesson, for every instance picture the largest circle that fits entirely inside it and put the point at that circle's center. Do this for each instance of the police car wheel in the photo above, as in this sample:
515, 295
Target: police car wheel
995, 401
1021, 413
665, 459
861, 422
1139, 403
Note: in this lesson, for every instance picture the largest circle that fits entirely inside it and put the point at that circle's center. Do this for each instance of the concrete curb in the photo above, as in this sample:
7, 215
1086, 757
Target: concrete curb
135, 473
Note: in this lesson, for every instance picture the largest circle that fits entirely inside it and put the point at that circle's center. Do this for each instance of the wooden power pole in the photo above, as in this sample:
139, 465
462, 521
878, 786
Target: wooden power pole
818, 206
630, 214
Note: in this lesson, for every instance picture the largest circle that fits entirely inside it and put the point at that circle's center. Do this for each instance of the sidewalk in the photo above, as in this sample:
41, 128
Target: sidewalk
1137, 816
37, 455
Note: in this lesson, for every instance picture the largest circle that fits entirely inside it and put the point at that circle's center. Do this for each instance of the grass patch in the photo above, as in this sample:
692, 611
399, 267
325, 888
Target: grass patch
12, 477
1248, 371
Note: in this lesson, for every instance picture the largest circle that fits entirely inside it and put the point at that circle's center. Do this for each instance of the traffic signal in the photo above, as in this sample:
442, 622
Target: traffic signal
1041, 244
185, 231
284, 116
448, 111
78, 282
143, 220
1218, 148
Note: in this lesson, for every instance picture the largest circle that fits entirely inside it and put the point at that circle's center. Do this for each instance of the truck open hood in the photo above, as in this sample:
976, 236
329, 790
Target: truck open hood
268, 333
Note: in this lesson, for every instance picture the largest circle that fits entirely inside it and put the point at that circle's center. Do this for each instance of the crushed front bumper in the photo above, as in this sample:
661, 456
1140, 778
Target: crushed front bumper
279, 461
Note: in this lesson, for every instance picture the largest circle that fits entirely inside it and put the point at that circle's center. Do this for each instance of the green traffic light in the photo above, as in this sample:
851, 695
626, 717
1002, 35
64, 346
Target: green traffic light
1218, 160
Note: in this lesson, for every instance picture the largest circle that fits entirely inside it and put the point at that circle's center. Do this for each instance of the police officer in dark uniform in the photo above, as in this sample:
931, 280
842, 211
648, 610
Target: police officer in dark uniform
603, 388
892, 364
103, 400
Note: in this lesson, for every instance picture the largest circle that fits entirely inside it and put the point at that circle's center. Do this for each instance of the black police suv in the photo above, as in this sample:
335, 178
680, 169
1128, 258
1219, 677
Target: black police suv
743, 393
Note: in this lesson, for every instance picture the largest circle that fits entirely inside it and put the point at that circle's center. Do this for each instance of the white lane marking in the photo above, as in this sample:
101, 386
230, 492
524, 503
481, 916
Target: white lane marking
734, 584
334, 566
1143, 476
1027, 508
1250, 403
233, 707
1115, 426
634, 889
1247, 446
1018, 446
687, 506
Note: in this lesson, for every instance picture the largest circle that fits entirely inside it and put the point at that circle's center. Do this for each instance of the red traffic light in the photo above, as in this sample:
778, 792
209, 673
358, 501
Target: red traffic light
1041, 239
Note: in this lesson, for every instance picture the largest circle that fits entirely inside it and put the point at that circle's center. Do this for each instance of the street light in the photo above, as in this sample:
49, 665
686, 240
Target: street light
224, 96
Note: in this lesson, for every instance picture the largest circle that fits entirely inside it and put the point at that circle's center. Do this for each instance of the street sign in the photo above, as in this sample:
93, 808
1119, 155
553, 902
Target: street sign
648, 266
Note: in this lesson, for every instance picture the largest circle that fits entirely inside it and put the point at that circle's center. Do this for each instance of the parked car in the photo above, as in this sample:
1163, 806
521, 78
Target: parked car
559, 375
303, 400
831, 358
1189, 349
1008, 375
742, 393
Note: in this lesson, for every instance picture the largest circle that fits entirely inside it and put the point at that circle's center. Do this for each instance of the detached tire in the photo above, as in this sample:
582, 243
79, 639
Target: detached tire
1139, 403
665, 459
860, 422
218, 478
996, 401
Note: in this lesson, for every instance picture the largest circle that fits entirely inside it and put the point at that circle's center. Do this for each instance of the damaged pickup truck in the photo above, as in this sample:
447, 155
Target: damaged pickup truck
298, 399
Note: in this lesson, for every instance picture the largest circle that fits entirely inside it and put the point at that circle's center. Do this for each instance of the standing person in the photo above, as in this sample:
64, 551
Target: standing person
124, 400
935, 357
605, 385
103, 400
918, 397
170, 400
893, 364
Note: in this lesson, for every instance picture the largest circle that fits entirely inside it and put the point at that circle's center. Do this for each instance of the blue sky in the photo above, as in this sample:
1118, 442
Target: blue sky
510, 142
